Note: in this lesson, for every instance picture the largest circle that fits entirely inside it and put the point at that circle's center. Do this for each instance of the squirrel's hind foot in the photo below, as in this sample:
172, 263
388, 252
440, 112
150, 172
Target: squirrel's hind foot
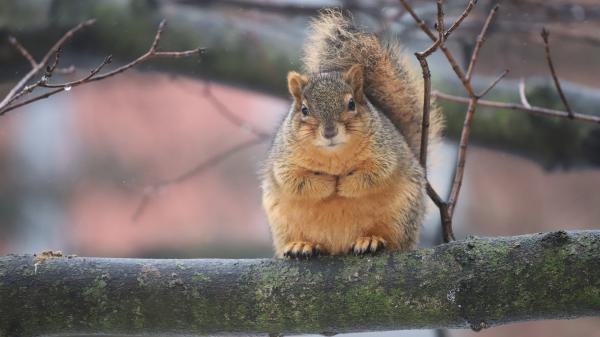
301, 250
368, 244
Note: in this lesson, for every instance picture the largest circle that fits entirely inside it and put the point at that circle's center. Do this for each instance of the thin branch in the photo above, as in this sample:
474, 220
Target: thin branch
453, 63
462, 156
39, 66
457, 23
446, 217
480, 41
422, 57
260, 136
224, 111
448, 211
522, 94
31, 100
493, 84
420, 23
440, 21
30, 88
151, 53
93, 72
447, 208
21, 90
426, 110
15, 43
545, 34
435, 197
154, 189
518, 107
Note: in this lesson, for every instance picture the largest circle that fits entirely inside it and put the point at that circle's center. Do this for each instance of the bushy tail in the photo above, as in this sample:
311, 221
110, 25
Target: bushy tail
335, 44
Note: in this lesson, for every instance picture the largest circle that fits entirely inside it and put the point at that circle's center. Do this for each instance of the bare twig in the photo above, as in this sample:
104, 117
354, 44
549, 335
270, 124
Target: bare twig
519, 107
154, 189
29, 88
93, 72
20, 89
447, 208
449, 56
464, 14
466, 131
522, 94
493, 84
422, 57
151, 53
426, 110
545, 34
480, 40
224, 111
462, 156
420, 23
31, 100
437, 200
13, 40
39, 66
440, 21
260, 136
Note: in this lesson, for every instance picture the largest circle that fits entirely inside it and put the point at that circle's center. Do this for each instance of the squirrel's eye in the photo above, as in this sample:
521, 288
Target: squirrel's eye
304, 110
351, 105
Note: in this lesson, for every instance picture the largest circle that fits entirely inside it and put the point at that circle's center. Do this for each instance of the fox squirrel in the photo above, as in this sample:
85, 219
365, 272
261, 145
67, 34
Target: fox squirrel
342, 174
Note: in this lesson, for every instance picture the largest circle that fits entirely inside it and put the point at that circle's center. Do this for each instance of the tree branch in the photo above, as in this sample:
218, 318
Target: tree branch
447, 208
154, 189
476, 283
20, 89
18, 46
493, 84
464, 14
522, 94
519, 107
39, 66
480, 40
545, 34
260, 136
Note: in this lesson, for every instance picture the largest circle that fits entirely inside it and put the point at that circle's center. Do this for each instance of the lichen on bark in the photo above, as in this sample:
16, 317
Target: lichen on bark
477, 283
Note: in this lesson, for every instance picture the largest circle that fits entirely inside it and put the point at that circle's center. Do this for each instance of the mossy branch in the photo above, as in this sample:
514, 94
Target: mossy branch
477, 283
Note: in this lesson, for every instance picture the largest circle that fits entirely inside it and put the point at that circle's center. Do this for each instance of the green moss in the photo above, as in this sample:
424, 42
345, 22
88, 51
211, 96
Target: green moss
200, 277
483, 282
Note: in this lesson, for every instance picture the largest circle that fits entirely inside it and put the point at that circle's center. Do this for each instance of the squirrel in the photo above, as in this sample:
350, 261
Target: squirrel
342, 174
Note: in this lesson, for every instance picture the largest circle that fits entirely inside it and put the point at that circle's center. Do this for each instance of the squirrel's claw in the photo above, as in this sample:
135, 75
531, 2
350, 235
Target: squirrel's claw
367, 244
301, 250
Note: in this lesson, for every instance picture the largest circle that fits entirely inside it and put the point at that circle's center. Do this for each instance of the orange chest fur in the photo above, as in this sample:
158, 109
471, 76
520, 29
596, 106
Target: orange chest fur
351, 157
336, 222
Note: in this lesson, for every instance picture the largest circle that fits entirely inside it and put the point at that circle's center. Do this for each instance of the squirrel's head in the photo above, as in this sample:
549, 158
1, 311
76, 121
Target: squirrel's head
329, 109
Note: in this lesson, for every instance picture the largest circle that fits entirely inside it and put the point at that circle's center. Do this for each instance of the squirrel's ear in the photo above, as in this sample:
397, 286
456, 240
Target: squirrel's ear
296, 83
354, 77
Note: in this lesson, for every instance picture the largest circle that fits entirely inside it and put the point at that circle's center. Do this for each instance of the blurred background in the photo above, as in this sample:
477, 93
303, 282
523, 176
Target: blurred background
134, 165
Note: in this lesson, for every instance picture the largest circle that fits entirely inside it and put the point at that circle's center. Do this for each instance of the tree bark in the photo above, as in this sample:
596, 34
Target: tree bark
477, 283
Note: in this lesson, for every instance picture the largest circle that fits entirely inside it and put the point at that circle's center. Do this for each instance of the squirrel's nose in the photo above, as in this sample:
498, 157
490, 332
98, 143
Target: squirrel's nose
329, 131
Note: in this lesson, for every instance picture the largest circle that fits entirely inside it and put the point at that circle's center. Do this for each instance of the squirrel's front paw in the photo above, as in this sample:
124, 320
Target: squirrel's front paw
301, 250
367, 244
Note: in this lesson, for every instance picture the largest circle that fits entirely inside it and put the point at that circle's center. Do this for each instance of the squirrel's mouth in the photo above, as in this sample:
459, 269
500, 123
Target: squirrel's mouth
332, 144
